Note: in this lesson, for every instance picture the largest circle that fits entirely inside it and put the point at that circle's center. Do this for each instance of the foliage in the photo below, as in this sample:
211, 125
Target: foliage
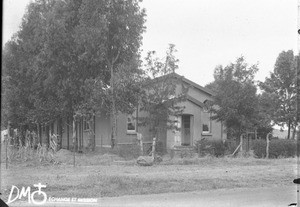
278, 148
60, 61
262, 131
280, 91
236, 102
160, 100
215, 148
41, 154
128, 152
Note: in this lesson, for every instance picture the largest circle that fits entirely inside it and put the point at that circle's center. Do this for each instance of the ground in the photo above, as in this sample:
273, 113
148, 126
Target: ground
96, 176
246, 197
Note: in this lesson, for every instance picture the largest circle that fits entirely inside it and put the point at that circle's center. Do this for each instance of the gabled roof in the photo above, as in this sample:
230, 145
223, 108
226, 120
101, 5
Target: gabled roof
195, 101
195, 85
187, 81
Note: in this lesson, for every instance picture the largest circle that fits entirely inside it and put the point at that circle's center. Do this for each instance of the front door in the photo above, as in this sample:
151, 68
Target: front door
186, 130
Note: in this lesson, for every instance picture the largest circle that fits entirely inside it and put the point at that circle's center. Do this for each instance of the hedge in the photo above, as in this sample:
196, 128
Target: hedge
213, 147
278, 148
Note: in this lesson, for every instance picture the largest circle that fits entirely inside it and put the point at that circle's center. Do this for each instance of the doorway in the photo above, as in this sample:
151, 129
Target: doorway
186, 132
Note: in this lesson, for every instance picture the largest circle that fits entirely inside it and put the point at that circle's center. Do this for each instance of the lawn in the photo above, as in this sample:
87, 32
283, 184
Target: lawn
98, 175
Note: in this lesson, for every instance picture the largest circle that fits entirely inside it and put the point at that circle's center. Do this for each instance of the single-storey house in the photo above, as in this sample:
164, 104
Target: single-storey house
194, 124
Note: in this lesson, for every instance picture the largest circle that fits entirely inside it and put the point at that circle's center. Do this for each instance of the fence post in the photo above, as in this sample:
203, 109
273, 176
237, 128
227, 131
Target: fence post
268, 145
241, 143
140, 138
153, 147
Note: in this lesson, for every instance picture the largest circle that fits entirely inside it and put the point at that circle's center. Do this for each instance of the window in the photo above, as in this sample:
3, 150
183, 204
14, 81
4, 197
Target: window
206, 123
131, 123
205, 128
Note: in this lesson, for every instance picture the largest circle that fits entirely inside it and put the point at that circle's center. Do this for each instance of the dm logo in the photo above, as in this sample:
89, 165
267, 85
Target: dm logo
26, 192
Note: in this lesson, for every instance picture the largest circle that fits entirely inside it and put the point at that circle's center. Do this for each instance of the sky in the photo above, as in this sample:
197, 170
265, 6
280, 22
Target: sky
206, 33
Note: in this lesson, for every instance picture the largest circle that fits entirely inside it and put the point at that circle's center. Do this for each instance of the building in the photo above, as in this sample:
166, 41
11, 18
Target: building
195, 123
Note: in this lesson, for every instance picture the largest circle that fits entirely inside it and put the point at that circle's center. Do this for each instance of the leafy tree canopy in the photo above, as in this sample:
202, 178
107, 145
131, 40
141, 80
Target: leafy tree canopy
59, 62
160, 101
281, 90
236, 102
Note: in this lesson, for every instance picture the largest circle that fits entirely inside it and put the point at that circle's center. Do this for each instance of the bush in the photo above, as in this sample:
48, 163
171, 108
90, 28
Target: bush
212, 147
159, 148
278, 148
259, 148
129, 151
41, 154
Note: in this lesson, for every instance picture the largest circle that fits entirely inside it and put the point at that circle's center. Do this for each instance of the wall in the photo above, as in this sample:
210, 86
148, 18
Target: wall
198, 94
122, 136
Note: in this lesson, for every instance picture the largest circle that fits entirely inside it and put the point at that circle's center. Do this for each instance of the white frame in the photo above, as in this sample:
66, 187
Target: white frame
133, 117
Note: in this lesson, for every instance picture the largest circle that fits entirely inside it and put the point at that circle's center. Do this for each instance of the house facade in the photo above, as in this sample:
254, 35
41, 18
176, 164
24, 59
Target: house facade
193, 124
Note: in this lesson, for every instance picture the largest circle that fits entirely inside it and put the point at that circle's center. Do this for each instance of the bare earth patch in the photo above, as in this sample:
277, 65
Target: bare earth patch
108, 176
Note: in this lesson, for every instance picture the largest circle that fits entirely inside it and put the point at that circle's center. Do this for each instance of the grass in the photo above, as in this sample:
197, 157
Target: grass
107, 175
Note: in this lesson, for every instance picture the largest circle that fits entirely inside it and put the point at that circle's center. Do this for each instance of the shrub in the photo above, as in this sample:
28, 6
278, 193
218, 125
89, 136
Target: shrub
41, 154
278, 148
259, 148
159, 148
212, 147
129, 151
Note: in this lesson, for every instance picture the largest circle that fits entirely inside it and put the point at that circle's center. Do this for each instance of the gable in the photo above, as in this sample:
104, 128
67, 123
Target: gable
194, 94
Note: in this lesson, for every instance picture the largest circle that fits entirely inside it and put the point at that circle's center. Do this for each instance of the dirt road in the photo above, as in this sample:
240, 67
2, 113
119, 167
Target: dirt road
259, 197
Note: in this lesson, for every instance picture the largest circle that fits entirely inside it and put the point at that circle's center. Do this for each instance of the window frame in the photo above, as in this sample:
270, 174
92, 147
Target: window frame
133, 121
209, 124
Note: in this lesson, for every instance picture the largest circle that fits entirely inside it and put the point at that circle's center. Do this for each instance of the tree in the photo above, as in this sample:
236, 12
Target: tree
116, 44
235, 102
159, 101
68, 49
281, 87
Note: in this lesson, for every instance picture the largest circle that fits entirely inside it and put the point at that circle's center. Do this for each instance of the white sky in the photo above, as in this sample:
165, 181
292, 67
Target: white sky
206, 32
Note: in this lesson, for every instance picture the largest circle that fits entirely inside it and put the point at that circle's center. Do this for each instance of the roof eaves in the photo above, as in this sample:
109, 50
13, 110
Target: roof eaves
201, 88
195, 101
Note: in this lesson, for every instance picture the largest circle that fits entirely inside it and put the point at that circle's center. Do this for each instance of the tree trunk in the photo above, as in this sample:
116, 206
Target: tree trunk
294, 132
289, 129
76, 135
91, 142
114, 112
48, 135
59, 132
74, 139
39, 134
68, 133
114, 118
94, 128
295, 128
